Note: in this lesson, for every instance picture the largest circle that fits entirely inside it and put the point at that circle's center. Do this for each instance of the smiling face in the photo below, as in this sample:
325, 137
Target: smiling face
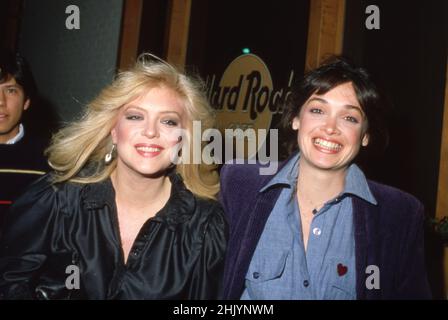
147, 130
12, 105
331, 128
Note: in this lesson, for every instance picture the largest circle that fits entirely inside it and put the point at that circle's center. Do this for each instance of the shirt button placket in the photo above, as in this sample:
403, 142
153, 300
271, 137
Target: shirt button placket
317, 231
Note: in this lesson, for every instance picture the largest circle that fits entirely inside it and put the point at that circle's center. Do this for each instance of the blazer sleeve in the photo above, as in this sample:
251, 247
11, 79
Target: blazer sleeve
229, 191
207, 276
413, 282
224, 177
25, 240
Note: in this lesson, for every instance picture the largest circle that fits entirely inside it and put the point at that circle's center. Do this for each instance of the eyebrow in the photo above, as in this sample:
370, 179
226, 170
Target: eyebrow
347, 106
16, 85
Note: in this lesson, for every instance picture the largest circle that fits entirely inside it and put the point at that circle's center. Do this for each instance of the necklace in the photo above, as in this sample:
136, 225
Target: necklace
315, 207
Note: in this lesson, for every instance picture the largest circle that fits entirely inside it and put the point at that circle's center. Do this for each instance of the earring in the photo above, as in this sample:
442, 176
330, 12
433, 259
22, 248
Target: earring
364, 142
294, 124
110, 155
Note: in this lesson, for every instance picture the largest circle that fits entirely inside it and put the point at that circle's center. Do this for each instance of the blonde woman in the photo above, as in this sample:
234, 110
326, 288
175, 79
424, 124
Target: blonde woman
117, 219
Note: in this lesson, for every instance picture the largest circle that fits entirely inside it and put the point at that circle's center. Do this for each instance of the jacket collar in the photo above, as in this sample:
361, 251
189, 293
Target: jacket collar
355, 180
179, 208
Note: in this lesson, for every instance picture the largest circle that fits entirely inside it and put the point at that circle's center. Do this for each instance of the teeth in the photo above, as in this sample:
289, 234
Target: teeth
148, 149
327, 144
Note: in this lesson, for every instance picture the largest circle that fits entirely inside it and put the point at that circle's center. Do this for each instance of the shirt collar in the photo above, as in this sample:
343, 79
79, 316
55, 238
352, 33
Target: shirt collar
355, 180
286, 176
179, 208
356, 184
18, 136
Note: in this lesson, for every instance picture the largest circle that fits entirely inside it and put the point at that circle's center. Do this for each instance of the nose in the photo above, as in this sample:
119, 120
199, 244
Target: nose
330, 126
151, 130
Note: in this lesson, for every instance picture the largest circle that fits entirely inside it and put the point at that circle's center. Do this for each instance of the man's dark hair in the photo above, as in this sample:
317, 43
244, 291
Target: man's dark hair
15, 66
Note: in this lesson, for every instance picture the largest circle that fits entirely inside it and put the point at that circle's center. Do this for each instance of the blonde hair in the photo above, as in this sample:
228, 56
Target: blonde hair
84, 143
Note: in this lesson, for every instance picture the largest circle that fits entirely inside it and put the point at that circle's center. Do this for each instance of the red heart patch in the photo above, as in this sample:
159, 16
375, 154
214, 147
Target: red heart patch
342, 269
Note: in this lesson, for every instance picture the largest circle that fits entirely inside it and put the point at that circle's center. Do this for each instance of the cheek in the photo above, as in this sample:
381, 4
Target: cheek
116, 134
16, 105
309, 121
301, 138
354, 136
307, 125
173, 136
122, 132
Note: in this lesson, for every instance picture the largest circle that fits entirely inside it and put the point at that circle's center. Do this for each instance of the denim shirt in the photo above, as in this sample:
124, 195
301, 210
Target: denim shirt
281, 269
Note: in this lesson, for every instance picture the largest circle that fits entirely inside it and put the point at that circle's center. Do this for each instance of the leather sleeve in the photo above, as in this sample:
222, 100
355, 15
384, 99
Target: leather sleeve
207, 276
26, 240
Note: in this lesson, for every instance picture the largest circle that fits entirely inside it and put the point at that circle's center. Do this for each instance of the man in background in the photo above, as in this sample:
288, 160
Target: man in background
21, 153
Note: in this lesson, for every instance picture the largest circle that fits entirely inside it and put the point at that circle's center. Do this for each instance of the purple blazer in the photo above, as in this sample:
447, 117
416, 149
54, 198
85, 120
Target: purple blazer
388, 235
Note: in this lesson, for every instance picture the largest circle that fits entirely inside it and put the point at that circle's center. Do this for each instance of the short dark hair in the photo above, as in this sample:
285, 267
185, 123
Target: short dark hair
333, 72
15, 66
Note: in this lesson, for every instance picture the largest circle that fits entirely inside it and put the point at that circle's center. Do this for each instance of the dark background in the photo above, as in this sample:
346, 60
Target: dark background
407, 57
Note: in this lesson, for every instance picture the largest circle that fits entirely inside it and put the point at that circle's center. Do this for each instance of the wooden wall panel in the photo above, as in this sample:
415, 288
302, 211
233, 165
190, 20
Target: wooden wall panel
177, 35
130, 32
442, 191
326, 29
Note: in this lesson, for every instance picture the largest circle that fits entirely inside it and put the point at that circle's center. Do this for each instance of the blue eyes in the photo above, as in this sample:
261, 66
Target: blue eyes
168, 122
351, 119
348, 118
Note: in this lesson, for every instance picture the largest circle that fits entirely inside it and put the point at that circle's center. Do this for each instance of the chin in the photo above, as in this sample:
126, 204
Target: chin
148, 169
152, 172
328, 164
324, 166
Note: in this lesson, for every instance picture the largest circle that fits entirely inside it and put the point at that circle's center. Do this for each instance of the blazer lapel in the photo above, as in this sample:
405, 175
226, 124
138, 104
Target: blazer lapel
263, 206
365, 217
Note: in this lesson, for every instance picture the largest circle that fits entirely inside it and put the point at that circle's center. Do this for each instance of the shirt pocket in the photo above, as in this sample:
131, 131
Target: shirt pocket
341, 291
264, 277
342, 284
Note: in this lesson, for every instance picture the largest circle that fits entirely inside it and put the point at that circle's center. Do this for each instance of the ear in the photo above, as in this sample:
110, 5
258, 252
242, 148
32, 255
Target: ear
365, 140
27, 103
113, 134
295, 123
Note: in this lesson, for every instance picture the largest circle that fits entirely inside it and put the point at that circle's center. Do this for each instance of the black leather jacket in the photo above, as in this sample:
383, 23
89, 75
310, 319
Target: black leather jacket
62, 241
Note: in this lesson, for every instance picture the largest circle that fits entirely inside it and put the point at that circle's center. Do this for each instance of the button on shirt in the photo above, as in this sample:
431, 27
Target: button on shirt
281, 269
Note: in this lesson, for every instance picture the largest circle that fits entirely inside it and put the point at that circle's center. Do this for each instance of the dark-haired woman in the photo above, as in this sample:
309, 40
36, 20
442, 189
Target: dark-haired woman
318, 229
